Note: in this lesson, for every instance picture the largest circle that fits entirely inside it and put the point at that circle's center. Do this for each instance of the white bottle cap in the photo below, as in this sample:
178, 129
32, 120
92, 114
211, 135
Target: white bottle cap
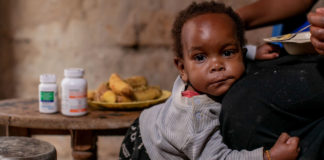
73, 72
49, 78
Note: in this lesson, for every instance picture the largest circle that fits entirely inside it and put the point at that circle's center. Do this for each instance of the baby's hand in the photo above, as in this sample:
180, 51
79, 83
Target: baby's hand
267, 52
286, 148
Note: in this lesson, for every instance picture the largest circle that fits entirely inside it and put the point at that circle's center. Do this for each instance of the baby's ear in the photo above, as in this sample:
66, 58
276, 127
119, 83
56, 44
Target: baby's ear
180, 66
178, 62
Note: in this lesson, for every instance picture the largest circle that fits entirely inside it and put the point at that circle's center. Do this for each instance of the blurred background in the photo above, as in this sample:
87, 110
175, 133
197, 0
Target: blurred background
128, 37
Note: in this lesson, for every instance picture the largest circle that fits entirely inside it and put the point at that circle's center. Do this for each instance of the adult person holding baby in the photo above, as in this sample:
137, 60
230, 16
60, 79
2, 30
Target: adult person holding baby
280, 95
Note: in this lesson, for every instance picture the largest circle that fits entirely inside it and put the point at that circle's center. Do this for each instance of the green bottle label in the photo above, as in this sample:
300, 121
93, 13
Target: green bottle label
47, 96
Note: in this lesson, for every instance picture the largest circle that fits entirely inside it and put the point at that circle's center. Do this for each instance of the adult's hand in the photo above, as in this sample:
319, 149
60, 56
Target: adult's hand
317, 29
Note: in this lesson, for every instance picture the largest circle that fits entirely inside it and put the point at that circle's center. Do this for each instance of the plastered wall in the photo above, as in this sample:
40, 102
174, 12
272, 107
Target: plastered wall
129, 37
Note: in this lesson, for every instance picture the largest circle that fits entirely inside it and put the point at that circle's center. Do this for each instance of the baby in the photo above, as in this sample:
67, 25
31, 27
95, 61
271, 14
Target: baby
208, 40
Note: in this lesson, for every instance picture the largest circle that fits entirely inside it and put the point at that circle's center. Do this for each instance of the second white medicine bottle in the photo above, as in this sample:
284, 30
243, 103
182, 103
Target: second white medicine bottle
74, 92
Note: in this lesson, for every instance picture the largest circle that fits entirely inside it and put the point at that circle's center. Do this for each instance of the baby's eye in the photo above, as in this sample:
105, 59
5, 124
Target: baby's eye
228, 53
200, 57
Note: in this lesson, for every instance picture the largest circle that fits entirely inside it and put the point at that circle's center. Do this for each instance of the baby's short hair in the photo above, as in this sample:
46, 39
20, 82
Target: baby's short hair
196, 9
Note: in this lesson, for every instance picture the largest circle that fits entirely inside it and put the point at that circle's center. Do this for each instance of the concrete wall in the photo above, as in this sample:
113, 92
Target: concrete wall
129, 37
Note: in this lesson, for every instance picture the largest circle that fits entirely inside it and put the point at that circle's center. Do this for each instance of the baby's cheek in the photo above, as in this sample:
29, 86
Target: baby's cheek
237, 69
242, 69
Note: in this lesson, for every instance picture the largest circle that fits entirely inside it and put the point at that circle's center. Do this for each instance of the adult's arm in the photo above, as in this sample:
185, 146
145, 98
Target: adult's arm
317, 29
267, 12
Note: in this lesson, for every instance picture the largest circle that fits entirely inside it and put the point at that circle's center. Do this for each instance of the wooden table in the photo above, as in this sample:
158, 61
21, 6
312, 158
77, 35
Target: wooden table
22, 118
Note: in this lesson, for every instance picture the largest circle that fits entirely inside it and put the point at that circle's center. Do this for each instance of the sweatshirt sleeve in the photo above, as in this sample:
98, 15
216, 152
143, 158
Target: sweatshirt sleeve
206, 142
215, 149
251, 51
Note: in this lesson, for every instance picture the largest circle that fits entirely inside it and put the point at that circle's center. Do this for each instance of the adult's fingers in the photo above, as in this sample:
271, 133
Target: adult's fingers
317, 29
319, 10
317, 32
316, 19
318, 45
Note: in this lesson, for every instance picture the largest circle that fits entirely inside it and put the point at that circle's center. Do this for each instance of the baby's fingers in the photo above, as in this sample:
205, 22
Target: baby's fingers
293, 143
270, 55
283, 138
293, 140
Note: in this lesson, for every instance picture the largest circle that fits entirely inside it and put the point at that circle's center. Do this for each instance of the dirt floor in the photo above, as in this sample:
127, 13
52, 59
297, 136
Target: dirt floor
108, 146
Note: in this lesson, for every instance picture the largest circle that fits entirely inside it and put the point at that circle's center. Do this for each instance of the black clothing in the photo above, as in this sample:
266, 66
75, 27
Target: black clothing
132, 147
281, 95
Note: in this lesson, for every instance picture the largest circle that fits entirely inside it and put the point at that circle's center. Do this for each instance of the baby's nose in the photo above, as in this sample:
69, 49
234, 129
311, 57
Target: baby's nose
217, 66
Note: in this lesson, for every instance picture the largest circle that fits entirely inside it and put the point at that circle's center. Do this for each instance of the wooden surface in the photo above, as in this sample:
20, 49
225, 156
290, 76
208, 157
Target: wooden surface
21, 117
24, 113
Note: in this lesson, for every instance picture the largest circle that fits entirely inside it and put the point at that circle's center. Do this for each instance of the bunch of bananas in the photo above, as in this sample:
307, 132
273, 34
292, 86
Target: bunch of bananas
117, 90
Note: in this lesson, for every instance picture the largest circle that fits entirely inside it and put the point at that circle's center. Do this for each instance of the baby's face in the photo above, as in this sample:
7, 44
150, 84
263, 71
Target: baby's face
212, 56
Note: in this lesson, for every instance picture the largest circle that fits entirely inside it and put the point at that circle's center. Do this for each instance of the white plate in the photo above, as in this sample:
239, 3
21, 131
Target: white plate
298, 45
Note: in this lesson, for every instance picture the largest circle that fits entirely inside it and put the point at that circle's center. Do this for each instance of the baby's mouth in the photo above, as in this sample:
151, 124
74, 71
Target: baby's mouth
220, 80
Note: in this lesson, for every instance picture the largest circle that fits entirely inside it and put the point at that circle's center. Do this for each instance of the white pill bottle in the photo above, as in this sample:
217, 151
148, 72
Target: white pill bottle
47, 93
74, 92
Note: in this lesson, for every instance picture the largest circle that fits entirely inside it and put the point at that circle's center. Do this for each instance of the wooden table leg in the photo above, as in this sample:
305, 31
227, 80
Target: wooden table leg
84, 145
3, 130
